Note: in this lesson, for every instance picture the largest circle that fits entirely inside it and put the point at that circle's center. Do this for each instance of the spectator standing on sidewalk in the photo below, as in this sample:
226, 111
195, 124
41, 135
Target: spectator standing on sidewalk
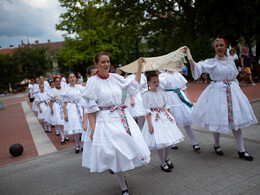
247, 64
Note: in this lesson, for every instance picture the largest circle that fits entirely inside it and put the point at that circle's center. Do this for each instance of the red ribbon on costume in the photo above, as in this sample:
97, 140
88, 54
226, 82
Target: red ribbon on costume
106, 77
161, 110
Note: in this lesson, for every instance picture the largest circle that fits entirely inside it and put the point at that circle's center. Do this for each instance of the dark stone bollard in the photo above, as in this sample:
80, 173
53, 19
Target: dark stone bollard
16, 149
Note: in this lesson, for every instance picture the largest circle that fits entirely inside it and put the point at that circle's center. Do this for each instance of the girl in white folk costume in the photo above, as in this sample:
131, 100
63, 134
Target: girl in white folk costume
73, 114
35, 91
114, 140
222, 106
175, 88
42, 99
134, 103
56, 105
160, 130
30, 87
52, 85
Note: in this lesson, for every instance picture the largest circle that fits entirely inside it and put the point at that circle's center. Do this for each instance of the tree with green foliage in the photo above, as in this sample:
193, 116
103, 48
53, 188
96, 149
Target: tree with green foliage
32, 61
9, 71
93, 30
128, 29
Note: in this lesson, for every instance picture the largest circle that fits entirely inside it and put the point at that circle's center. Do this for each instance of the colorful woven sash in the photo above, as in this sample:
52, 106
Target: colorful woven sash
161, 110
121, 112
78, 110
229, 102
178, 91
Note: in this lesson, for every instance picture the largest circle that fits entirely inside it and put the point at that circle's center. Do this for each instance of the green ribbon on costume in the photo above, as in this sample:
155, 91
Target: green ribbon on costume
178, 91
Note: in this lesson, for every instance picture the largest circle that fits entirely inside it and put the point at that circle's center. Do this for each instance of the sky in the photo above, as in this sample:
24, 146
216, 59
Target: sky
35, 18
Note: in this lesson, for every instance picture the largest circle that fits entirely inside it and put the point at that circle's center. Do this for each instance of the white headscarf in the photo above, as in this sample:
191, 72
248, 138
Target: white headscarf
173, 61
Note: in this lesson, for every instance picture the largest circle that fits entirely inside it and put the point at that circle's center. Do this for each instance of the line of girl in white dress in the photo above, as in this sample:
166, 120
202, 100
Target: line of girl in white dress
160, 130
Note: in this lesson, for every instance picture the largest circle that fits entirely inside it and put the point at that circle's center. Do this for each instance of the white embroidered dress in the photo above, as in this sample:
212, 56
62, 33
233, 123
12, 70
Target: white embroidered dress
211, 109
165, 129
35, 91
30, 87
181, 112
138, 109
58, 115
112, 147
43, 99
72, 95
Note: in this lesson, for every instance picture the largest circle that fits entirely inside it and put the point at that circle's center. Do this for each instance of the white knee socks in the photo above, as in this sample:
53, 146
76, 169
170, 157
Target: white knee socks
190, 133
166, 154
121, 180
161, 156
216, 138
239, 139
77, 137
60, 130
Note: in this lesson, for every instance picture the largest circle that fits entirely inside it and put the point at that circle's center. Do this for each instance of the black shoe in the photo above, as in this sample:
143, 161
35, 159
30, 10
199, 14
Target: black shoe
169, 164
110, 171
77, 149
218, 150
175, 147
67, 139
62, 141
52, 126
125, 192
196, 147
57, 134
165, 168
242, 155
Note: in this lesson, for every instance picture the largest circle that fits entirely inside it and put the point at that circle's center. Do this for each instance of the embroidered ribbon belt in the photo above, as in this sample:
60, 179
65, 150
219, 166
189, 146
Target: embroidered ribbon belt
161, 110
178, 91
121, 112
61, 108
229, 101
78, 110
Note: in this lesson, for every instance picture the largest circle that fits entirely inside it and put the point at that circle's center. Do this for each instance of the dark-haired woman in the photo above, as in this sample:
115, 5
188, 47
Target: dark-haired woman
160, 130
114, 139
222, 106
56, 105
73, 114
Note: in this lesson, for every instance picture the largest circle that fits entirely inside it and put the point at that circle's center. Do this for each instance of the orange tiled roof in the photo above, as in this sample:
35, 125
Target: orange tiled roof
51, 45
